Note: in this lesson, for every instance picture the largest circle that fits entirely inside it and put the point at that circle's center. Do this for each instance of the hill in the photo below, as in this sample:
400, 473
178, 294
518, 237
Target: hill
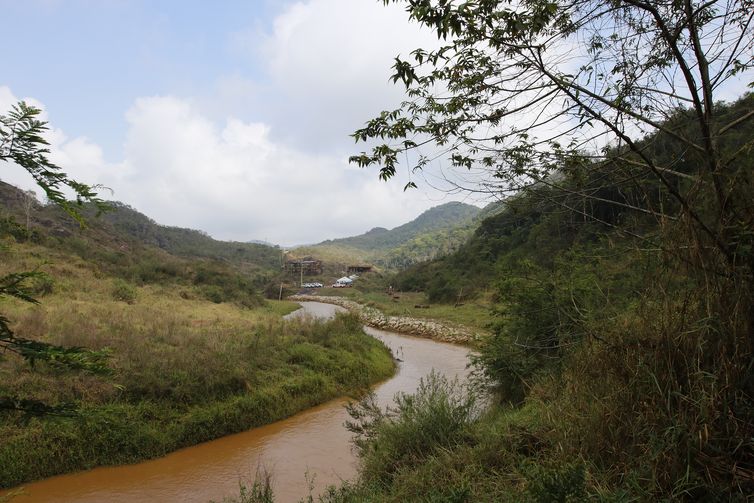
434, 233
128, 222
443, 217
125, 224
129, 245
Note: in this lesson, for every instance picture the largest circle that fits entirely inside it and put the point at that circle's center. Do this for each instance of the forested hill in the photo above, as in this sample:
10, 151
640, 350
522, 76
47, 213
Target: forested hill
188, 242
443, 217
125, 228
546, 227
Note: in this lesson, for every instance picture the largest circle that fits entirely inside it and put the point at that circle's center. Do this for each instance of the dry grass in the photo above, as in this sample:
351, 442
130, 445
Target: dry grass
185, 370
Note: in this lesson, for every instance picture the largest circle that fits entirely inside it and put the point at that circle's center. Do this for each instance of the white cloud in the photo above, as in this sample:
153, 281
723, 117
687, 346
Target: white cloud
235, 182
266, 158
328, 64
231, 180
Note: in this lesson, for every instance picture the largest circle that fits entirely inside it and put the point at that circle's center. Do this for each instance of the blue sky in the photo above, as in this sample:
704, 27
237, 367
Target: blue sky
88, 60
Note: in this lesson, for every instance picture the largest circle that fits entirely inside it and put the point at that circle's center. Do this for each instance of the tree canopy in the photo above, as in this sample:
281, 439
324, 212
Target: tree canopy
519, 92
630, 184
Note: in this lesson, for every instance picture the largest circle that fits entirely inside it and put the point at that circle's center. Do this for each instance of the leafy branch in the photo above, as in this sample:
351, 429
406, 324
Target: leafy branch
22, 143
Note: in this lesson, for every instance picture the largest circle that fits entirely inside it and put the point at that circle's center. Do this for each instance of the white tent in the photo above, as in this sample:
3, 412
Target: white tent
344, 281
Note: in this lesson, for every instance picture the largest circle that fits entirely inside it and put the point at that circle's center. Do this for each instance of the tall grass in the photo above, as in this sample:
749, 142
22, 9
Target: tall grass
434, 417
184, 371
260, 490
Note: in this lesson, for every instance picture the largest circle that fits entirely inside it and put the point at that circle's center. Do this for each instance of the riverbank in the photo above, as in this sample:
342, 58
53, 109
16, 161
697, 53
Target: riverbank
307, 452
185, 371
431, 329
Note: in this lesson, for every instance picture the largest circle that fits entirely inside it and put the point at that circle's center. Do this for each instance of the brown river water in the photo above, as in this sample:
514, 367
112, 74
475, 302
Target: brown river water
305, 453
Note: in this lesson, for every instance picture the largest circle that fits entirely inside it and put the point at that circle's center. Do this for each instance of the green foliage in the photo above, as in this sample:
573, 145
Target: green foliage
22, 142
434, 417
42, 284
560, 484
124, 292
180, 383
219, 284
9, 227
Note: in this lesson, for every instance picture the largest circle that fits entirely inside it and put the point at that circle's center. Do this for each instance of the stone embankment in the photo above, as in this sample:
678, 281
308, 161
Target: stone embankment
429, 329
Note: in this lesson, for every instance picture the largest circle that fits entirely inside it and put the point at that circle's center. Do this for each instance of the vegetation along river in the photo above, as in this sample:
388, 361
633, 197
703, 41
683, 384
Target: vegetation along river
306, 452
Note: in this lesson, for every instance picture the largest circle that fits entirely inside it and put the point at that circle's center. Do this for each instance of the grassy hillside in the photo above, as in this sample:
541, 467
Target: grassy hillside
195, 352
436, 232
128, 245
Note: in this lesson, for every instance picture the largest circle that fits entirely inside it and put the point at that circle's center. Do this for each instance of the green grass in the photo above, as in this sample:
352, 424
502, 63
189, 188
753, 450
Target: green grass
185, 369
438, 445
281, 307
475, 314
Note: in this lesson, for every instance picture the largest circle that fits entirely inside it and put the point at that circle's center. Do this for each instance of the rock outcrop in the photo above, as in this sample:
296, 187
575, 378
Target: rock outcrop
402, 324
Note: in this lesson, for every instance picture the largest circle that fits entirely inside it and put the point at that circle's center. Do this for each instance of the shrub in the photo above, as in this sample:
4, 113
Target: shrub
42, 285
555, 484
435, 417
124, 292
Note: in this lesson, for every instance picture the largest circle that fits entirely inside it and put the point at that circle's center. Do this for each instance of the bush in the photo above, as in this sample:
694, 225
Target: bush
41, 285
272, 291
218, 284
435, 417
124, 292
555, 484
9, 227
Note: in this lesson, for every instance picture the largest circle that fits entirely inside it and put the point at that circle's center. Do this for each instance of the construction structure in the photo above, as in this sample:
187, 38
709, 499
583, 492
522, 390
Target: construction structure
358, 269
306, 266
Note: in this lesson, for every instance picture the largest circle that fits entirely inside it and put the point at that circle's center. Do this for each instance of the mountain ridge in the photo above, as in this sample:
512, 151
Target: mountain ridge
442, 217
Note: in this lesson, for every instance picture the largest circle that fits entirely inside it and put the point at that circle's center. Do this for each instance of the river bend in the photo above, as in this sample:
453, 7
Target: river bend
306, 452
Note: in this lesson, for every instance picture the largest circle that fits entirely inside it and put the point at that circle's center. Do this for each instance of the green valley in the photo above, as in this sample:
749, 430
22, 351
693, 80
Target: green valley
193, 350
582, 332
435, 232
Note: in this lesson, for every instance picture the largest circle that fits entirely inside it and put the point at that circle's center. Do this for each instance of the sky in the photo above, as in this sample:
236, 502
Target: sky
230, 117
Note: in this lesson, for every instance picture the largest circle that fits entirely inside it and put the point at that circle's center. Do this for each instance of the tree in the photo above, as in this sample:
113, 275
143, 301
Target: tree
593, 106
22, 142
520, 92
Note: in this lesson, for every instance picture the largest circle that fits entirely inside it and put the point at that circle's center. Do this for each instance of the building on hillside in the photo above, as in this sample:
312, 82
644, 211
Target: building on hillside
307, 266
344, 281
358, 269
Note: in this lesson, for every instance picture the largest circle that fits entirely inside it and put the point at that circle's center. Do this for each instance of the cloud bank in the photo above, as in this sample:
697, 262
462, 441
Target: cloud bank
265, 158
182, 169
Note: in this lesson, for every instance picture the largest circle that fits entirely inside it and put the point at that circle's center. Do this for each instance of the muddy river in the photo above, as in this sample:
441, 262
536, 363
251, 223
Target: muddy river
305, 453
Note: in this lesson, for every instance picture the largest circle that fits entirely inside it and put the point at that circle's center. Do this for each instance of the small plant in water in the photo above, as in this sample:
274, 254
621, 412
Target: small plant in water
260, 490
